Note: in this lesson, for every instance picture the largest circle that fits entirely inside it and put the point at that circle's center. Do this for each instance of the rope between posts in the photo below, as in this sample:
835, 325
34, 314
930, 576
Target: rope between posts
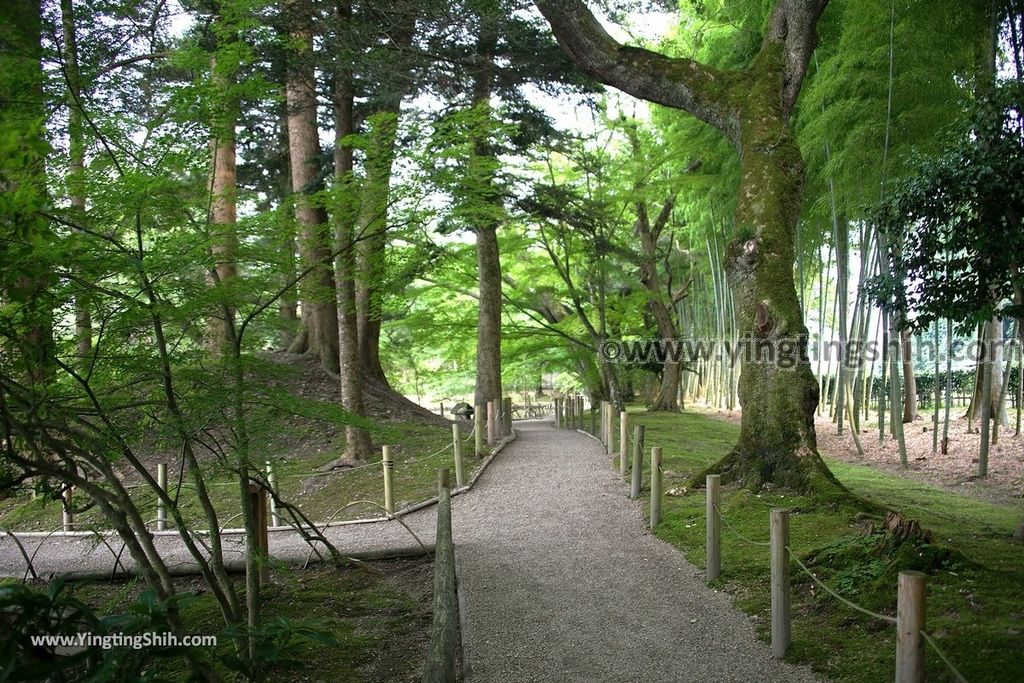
945, 660
852, 605
737, 533
428, 457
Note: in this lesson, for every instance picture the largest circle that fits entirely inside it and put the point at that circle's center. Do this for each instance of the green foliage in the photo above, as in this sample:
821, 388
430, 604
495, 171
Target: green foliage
957, 222
27, 612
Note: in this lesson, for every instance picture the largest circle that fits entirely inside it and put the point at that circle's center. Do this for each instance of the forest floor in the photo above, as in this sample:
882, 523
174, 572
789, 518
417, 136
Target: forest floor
956, 471
350, 624
293, 426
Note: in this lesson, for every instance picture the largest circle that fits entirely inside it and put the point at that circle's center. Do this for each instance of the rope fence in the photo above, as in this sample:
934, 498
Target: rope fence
910, 611
912, 638
502, 428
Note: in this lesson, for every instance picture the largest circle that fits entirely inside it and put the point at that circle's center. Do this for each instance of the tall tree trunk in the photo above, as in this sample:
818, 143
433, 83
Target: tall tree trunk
223, 194
751, 108
488, 335
841, 234
22, 117
76, 162
372, 223
488, 327
319, 311
909, 381
777, 440
949, 387
287, 306
372, 232
357, 439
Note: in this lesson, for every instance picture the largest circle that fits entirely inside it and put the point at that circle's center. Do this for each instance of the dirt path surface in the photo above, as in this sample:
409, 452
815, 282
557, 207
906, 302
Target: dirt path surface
560, 579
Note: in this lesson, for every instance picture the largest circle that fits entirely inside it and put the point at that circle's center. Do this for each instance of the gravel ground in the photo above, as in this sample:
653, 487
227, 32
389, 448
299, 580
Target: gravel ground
561, 580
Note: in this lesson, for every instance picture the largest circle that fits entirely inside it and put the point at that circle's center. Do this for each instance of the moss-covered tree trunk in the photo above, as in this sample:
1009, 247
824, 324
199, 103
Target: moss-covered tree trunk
778, 395
751, 107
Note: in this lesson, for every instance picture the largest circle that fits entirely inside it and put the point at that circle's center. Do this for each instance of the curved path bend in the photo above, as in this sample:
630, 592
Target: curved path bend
561, 581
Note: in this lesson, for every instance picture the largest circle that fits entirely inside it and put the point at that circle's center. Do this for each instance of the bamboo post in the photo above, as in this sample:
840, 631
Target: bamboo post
478, 429
909, 624
603, 421
780, 582
67, 517
492, 428
638, 461
713, 537
569, 404
457, 447
275, 519
161, 482
623, 442
389, 472
655, 486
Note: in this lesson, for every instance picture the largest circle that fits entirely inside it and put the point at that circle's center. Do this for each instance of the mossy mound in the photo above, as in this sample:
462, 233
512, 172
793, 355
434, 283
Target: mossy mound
864, 567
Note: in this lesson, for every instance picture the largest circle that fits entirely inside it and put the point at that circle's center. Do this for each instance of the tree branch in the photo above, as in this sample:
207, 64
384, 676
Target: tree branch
679, 83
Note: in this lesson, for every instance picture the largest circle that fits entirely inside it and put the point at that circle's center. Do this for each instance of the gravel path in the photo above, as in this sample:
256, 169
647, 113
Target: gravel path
561, 580
563, 583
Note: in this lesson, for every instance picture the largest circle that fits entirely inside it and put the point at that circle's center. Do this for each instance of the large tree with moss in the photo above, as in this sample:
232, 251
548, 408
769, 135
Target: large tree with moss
751, 107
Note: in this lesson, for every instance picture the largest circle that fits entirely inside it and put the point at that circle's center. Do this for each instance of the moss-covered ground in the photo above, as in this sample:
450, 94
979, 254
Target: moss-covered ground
975, 603
368, 622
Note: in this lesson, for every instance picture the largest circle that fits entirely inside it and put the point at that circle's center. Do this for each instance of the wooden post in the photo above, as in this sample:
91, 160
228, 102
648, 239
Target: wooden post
389, 472
713, 564
442, 409
261, 525
492, 427
67, 517
623, 442
161, 482
441, 649
655, 486
611, 430
909, 623
457, 447
506, 420
638, 461
780, 582
593, 422
569, 403
478, 429
258, 501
